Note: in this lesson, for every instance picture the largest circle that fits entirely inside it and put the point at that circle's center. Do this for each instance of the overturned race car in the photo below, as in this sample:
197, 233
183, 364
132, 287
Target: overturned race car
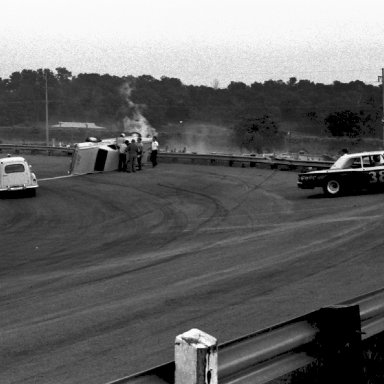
355, 171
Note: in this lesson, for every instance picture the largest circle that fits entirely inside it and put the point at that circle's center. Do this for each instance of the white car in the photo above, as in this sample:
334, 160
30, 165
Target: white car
16, 175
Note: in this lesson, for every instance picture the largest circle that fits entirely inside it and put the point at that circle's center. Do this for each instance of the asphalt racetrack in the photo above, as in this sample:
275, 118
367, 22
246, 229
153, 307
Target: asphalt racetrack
99, 273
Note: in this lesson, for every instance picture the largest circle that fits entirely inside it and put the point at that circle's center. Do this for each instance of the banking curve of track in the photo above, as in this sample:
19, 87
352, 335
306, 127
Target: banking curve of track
100, 272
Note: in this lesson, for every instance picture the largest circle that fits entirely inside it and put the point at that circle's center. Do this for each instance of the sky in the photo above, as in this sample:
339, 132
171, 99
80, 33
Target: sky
200, 42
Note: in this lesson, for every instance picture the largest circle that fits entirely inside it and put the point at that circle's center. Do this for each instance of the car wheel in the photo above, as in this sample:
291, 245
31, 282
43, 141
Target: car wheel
332, 187
32, 192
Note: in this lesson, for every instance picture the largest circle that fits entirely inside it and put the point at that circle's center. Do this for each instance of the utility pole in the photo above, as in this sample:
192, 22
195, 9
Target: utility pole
381, 78
46, 109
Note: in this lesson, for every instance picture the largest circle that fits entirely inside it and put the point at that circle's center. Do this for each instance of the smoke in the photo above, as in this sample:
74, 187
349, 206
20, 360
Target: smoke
134, 121
201, 138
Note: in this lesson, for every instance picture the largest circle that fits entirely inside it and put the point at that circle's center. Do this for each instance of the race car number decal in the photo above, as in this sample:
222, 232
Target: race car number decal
376, 177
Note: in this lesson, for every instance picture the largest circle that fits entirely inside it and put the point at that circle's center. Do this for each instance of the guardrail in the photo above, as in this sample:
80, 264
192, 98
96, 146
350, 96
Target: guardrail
243, 161
328, 341
35, 149
193, 158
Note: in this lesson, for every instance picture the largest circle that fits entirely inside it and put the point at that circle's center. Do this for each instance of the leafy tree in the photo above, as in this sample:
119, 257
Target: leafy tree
344, 123
176, 99
63, 75
257, 132
292, 81
237, 87
341, 109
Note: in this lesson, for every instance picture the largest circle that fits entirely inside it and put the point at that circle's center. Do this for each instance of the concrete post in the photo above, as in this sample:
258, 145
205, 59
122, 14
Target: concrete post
195, 358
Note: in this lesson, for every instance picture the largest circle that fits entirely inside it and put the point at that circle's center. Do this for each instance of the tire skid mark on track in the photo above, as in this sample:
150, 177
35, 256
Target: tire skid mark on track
57, 177
219, 213
176, 235
220, 278
249, 188
275, 274
263, 226
171, 217
298, 252
74, 226
171, 213
275, 230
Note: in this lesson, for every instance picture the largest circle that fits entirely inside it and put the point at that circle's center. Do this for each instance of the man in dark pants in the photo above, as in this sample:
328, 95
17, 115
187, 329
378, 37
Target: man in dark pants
132, 154
140, 153
122, 156
154, 149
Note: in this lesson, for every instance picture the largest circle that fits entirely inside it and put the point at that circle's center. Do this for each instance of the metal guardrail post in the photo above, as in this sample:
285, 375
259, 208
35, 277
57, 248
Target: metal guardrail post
340, 344
195, 358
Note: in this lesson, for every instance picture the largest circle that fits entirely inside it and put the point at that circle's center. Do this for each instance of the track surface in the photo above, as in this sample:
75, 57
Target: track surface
99, 273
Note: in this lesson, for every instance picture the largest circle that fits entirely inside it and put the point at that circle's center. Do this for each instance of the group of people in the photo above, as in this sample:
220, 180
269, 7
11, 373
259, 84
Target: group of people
131, 153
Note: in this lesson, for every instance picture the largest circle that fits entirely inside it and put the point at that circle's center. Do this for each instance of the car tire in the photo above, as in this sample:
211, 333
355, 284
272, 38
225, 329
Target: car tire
32, 192
333, 187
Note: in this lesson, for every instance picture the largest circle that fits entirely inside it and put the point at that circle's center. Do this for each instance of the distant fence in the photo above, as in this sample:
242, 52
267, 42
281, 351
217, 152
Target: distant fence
35, 149
242, 161
328, 342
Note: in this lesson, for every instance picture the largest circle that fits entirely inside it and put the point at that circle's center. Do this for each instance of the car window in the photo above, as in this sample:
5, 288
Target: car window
367, 161
14, 168
377, 160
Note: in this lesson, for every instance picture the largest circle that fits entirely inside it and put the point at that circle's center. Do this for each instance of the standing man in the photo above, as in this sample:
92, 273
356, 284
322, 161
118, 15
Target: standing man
154, 149
122, 157
127, 144
120, 140
140, 153
132, 153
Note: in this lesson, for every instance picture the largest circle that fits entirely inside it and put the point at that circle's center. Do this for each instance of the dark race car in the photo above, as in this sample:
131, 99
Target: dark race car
350, 172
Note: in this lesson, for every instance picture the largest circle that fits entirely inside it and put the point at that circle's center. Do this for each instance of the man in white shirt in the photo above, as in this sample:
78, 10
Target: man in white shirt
120, 140
154, 149
123, 156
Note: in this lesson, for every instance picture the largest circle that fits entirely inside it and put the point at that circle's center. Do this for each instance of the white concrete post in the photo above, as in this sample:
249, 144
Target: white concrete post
195, 358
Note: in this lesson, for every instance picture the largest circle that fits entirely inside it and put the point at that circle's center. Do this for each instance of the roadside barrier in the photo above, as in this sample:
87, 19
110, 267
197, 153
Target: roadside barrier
35, 149
242, 161
328, 343
191, 158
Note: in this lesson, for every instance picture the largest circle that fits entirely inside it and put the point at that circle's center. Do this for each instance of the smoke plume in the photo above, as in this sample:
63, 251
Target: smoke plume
134, 121
199, 137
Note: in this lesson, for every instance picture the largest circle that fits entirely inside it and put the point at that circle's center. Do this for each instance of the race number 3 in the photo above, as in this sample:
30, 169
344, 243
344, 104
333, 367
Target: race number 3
376, 177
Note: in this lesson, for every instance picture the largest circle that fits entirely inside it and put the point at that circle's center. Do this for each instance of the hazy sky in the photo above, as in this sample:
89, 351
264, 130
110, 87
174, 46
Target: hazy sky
197, 41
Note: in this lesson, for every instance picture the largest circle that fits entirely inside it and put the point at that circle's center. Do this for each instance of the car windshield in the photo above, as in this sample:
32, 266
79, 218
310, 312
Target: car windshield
14, 168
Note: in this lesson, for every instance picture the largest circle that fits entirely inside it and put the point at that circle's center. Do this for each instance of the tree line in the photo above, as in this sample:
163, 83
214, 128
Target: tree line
257, 112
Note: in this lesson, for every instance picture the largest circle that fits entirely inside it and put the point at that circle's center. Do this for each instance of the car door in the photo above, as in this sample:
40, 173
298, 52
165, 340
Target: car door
354, 175
375, 171
368, 172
